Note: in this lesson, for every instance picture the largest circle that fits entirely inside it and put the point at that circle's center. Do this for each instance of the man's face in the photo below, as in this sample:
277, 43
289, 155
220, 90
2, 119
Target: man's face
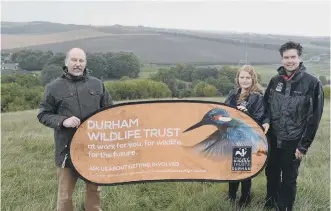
291, 60
76, 62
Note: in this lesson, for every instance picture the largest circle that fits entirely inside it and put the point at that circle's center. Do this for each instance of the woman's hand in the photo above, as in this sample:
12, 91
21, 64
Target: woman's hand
242, 108
266, 127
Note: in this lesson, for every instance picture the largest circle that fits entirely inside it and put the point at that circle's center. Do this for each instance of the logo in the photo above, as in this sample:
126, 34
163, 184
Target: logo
279, 87
297, 93
242, 158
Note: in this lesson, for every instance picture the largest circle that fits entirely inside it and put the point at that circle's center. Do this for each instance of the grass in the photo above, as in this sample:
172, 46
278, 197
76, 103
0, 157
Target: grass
29, 176
146, 71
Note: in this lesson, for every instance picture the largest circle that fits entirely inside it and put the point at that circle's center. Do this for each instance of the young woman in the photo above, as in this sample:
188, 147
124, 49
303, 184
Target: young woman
248, 97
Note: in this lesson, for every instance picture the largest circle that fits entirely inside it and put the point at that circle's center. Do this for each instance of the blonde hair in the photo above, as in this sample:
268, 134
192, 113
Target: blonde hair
255, 88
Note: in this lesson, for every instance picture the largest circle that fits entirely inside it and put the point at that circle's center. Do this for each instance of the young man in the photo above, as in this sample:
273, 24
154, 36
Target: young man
294, 103
68, 100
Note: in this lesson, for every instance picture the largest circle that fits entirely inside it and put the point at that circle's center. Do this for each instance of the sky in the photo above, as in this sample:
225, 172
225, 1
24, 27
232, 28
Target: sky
308, 18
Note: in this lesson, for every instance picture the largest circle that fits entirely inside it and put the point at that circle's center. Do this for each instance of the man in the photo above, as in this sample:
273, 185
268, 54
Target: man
294, 103
67, 101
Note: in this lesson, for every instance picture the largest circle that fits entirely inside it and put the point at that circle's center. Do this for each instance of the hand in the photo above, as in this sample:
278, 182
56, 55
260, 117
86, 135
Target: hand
242, 108
298, 154
266, 127
71, 122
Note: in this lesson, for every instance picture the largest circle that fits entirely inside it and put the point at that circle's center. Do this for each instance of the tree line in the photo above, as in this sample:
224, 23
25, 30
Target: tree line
188, 80
22, 92
110, 65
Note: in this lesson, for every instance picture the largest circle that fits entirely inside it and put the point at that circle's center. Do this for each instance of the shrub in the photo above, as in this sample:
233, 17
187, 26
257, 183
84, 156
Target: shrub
137, 89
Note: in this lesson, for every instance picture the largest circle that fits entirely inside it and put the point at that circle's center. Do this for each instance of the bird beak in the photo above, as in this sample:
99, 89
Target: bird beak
199, 124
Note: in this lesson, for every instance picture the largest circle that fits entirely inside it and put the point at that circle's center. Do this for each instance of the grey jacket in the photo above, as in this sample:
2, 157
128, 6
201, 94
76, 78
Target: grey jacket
69, 96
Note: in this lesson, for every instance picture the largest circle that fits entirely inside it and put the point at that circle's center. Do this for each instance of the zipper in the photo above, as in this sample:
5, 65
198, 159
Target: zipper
287, 100
64, 161
80, 108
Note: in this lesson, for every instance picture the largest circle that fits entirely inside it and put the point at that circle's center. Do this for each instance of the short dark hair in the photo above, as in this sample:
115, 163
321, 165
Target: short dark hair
290, 45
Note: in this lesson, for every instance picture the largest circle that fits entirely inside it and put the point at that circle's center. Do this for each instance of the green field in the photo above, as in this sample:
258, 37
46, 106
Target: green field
29, 176
146, 71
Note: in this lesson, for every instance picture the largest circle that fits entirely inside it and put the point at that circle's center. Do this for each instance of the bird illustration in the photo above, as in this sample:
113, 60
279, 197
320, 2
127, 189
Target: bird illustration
231, 132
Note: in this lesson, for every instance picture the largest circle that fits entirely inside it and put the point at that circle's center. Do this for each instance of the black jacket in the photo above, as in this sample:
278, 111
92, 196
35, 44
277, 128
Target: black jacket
66, 97
253, 103
294, 109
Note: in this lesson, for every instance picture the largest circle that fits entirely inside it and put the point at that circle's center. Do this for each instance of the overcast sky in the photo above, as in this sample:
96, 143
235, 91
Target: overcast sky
310, 18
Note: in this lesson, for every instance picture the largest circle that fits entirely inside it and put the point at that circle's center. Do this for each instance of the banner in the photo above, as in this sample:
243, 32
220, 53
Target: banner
168, 141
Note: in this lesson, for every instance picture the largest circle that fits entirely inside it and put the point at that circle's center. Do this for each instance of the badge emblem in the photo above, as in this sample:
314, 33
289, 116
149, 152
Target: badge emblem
279, 87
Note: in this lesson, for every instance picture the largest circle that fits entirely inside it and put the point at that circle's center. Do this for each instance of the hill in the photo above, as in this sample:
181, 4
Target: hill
157, 45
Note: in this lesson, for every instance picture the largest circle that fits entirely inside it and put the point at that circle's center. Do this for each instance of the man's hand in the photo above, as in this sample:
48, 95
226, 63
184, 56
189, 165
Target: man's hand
71, 122
242, 108
266, 127
298, 154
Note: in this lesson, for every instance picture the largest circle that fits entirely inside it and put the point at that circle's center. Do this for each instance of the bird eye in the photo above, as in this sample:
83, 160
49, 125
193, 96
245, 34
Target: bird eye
216, 117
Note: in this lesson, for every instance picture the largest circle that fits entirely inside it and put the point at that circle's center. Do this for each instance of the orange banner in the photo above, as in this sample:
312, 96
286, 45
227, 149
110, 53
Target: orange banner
168, 140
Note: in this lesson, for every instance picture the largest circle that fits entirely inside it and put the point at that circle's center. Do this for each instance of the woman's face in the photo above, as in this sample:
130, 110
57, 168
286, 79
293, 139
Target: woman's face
245, 80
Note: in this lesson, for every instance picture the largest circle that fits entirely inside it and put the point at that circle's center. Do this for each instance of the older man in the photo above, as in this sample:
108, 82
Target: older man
67, 100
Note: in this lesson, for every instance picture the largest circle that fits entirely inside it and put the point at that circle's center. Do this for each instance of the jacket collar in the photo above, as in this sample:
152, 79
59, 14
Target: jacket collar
68, 76
294, 76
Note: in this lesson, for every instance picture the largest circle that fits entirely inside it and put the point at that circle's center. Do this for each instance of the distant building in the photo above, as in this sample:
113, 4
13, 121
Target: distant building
9, 66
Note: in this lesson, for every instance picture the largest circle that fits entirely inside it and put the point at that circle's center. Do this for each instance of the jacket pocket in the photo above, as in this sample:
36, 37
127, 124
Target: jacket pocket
298, 108
69, 106
94, 100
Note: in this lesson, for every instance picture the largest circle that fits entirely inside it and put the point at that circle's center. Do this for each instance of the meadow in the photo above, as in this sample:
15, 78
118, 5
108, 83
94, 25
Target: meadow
29, 176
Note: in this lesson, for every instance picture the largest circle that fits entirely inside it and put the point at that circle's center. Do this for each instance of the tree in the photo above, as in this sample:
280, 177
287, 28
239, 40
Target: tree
15, 97
229, 72
97, 64
29, 63
183, 72
204, 73
199, 89
123, 64
224, 85
168, 77
212, 81
49, 73
57, 59
326, 90
43, 59
323, 80
26, 80
209, 91
137, 89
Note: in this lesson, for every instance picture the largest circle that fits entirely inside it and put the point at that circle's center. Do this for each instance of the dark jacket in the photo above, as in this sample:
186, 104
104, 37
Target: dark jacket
294, 109
66, 97
253, 103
